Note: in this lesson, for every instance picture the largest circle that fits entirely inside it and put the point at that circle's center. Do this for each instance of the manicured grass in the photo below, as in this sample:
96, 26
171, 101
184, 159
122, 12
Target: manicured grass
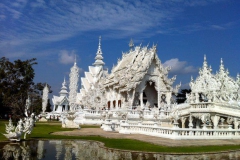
43, 130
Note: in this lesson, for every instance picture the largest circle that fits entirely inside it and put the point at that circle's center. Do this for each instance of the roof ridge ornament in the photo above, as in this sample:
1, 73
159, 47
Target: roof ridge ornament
131, 44
64, 82
205, 62
221, 69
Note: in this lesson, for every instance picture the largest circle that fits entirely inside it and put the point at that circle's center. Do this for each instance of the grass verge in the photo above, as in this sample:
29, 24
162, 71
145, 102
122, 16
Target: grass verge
43, 130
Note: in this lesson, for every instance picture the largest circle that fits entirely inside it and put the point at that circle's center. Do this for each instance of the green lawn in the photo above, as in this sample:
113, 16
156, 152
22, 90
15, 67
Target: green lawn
42, 131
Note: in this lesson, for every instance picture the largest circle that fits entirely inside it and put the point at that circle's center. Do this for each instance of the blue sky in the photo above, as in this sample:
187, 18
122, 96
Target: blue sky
53, 31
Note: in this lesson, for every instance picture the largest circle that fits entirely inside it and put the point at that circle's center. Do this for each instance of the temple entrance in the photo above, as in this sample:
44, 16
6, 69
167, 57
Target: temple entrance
150, 95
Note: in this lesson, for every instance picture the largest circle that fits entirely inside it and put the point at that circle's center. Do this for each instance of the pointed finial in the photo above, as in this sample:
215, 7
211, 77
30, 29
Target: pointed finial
221, 65
75, 60
205, 61
99, 43
227, 72
99, 57
64, 82
131, 44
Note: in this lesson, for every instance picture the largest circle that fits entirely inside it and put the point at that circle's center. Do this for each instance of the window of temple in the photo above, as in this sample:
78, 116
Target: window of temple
114, 103
108, 103
119, 103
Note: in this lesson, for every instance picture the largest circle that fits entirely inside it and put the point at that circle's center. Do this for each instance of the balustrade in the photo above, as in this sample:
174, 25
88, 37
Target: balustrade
180, 133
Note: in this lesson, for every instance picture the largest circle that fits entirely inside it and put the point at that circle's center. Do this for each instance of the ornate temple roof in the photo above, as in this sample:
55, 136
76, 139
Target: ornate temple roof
221, 85
58, 100
134, 65
93, 75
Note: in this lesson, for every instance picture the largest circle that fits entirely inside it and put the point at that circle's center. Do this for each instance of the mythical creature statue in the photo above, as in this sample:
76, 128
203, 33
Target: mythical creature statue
14, 133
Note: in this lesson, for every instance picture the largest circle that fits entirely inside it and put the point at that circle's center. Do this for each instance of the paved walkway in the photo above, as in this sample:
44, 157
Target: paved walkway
145, 138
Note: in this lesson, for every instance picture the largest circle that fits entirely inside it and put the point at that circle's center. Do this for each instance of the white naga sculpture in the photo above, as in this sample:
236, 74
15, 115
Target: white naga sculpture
23, 126
45, 98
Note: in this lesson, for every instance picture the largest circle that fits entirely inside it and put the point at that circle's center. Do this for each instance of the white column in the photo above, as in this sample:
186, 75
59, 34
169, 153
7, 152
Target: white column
190, 122
159, 94
54, 107
111, 104
168, 97
236, 123
183, 119
141, 99
197, 97
215, 120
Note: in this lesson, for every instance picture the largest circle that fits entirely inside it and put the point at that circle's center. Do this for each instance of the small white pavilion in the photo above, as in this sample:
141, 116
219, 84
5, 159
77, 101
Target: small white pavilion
61, 102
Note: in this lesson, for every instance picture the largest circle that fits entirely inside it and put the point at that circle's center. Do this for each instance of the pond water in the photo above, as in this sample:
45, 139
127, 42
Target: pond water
90, 150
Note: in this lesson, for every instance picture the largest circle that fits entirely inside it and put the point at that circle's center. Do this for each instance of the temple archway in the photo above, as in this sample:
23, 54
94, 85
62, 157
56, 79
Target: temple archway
151, 94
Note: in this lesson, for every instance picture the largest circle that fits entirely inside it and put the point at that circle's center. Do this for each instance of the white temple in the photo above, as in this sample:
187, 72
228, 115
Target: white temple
61, 102
91, 91
138, 97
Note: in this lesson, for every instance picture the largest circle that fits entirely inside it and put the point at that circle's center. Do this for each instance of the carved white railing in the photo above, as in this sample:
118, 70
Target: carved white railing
221, 108
180, 133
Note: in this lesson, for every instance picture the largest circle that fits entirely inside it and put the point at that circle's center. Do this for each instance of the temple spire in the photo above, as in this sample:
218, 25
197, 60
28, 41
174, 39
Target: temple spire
99, 57
221, 66
205, 66
131, 44
63, 91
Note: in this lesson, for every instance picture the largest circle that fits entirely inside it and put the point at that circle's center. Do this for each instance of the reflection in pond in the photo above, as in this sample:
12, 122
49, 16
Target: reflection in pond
67, 150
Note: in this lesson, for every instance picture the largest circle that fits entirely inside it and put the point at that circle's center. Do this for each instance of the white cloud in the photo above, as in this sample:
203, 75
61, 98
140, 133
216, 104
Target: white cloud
40, 21
179, 67
66, 57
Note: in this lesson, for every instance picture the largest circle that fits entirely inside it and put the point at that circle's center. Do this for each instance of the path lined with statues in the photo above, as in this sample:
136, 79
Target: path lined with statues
145, 138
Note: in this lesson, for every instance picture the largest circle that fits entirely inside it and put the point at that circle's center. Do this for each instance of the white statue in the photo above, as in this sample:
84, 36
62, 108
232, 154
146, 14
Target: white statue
17, 133
45, 98
27, 106
28, 125
14, 133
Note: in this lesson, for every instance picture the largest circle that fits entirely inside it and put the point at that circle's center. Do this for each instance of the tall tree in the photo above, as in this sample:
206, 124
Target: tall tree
16, 82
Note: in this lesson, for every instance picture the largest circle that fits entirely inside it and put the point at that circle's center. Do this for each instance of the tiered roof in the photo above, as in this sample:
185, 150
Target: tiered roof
58, 100
93, 75
134, 65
